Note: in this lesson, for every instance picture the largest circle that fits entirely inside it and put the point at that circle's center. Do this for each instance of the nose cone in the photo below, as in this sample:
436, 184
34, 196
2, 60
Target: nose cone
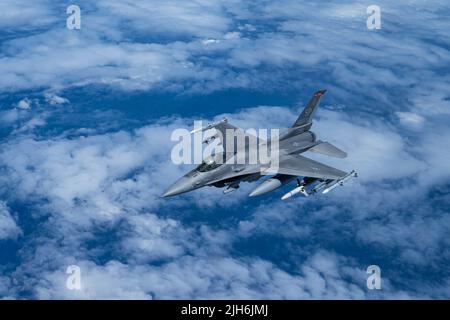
181, 186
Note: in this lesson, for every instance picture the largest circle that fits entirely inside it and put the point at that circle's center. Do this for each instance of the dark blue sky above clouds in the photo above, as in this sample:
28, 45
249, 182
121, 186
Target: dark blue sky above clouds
85, 123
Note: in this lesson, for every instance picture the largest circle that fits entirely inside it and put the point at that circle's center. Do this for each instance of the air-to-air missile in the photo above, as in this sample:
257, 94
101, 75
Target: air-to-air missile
326, 186
339, 182
211, 125
294, 192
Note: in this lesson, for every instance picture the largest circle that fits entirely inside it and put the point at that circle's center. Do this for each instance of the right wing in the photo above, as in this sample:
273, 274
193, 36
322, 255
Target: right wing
297, 165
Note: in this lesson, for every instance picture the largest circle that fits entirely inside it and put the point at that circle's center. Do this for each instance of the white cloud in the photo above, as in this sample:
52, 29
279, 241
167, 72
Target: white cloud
6, 291
9, 116
375, 150
114, 180
210, 41
22, 15
151, 238
8, 226
54, 99
322, 276
24, 104
410, 119
195, 18
110, 183
340, 49
31, 124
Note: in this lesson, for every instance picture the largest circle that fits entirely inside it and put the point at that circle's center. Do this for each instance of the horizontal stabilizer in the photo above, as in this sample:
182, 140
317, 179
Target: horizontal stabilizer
329, 150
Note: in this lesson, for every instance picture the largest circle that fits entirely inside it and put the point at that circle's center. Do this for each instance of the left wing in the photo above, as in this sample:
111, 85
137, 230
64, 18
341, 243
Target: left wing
297, 165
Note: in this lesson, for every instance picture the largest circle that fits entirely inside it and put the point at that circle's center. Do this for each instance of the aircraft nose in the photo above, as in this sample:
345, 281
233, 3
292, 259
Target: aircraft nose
181, 186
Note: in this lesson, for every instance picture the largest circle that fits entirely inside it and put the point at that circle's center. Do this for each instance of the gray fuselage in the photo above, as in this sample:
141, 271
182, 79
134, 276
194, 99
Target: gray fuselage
229, 173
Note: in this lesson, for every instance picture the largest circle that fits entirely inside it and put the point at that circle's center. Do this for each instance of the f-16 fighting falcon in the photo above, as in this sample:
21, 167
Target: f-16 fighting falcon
221, 170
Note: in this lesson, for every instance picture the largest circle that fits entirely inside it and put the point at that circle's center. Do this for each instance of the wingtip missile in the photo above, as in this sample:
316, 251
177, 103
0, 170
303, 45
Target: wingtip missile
209, 126
339, 182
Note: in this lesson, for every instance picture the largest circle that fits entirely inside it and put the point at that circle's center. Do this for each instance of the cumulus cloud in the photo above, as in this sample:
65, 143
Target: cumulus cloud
333, 42
24, 104
322, 276
113, 181
169, 18
54, 99
8, 226
410, 119
24, 16
95, 194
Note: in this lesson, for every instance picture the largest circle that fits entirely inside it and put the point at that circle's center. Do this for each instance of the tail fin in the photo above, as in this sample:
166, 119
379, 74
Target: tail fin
307, 114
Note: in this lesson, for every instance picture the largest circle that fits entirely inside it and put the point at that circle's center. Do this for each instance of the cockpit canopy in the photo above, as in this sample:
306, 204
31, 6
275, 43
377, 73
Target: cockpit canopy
210, 163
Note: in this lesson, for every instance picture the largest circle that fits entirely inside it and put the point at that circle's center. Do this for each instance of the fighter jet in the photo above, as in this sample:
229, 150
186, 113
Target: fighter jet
311, 176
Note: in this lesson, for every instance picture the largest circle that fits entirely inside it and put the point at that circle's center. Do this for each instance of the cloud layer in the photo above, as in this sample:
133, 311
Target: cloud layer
90, 195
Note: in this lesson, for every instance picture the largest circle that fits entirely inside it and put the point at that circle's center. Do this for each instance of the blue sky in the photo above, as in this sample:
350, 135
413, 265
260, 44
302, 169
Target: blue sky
85, 123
